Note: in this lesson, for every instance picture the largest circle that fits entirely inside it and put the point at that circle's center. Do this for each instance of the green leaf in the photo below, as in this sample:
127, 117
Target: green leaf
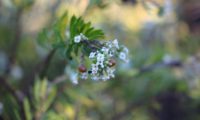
89, 30
43, 88
76, 48
54, 34
68, 51
10, 102
95, 34
17, 116
85, 27
72, 26
77, 26
61, 23
27, 109
42, 37
59, 41
36, 92
51, 96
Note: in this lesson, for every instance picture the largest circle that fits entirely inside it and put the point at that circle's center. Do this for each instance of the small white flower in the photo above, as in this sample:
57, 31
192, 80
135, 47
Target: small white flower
115, 43
110, 72
83, 37
123, 56
84, 75
111, 54
73, 76
74, 79
105, 77
100, 63
95, 78
109, 44
77, 39
105, 50
126, 50
92, 55
100, 57
94, 68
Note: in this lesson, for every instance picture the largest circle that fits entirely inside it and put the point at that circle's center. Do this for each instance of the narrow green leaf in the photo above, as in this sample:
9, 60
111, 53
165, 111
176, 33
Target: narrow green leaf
76, 48
36, 92
42, 37
17, 116
89, 30
72, 26
50, 98
86, 27
68, 51
96, 34
27, 109
43, 88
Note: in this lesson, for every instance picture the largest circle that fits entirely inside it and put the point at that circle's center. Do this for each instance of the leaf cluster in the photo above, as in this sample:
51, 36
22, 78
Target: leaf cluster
79, 26
61, 35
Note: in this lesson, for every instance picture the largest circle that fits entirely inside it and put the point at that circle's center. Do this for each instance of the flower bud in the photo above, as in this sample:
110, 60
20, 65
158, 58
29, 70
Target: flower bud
111, 63
82, 68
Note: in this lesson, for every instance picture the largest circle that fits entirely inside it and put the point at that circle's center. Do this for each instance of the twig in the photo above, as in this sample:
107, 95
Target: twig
17, 94
59, 79
93, 45
172, 63
16, 41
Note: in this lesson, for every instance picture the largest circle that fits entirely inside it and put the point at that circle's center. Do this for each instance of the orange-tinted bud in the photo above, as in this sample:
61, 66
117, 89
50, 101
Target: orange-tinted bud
82, 68
111, 63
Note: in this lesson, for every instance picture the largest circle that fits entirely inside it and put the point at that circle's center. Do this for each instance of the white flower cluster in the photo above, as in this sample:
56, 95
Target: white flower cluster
78, 38
103, 61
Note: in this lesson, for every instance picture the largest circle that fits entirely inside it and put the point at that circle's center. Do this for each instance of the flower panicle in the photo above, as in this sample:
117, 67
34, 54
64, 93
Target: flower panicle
102, 58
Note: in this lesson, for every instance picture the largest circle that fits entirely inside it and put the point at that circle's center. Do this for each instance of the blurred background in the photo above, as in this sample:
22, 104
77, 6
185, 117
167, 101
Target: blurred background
161, 81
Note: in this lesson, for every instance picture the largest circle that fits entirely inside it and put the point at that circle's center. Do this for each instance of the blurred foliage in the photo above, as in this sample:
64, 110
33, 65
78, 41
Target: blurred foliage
161, 82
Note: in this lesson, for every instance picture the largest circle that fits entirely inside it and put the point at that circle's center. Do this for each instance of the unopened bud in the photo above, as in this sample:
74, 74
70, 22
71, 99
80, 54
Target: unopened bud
82, 68
111, 63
